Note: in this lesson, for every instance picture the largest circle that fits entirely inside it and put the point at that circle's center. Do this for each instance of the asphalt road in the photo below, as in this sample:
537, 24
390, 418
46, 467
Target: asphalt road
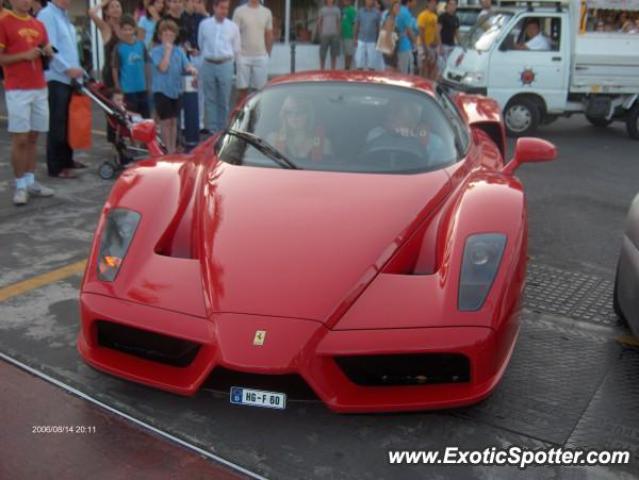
569, 383
578, 203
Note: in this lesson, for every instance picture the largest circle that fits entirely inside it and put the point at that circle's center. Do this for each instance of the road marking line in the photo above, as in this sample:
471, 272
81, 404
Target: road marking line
141, 423
38, 281
95, 132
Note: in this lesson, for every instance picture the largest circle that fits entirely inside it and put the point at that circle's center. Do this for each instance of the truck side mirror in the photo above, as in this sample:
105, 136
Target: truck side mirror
528, 150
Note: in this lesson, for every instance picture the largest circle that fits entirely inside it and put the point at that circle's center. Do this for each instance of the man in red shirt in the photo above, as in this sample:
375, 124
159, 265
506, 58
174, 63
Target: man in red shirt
23, 43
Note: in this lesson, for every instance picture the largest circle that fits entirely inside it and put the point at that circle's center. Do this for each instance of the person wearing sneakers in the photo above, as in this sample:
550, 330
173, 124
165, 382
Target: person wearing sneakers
23, 43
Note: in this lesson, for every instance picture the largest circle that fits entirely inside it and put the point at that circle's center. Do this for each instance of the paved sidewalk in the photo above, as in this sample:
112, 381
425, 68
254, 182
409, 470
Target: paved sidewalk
95, 444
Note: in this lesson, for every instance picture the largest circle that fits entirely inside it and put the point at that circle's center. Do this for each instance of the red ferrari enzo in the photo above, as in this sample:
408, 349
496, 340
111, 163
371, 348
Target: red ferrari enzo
355, 232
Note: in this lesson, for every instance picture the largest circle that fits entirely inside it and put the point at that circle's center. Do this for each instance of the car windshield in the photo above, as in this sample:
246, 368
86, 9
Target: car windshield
484, 34
340, 126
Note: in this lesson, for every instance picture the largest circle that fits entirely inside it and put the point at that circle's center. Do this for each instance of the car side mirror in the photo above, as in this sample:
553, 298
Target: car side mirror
528, 150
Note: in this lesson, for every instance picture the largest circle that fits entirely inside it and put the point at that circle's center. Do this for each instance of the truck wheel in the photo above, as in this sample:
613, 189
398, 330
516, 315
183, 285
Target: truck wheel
599, 121
632, 122
521, 117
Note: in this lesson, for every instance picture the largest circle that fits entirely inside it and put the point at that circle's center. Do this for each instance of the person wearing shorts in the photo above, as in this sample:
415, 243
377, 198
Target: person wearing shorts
23, 43
129, 63
169, 63
448, 31
366, 33
255, 23
349, 13
428, 40
329, 28
406, 24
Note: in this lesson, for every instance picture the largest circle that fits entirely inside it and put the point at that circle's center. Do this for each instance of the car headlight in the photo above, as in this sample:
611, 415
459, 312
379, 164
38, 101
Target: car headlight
473, 77
482, 256
116, 238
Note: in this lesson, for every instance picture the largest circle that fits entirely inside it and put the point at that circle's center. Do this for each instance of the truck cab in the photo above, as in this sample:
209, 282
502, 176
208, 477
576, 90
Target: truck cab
538, 61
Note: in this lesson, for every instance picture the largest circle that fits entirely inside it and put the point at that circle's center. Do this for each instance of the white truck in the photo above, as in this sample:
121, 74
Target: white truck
577, 69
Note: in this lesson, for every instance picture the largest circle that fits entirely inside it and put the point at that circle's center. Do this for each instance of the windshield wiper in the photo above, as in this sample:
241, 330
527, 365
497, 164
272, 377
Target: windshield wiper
264, 147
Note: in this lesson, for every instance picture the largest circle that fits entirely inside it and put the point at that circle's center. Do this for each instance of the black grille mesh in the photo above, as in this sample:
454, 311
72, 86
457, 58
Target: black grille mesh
411, 369
148, 345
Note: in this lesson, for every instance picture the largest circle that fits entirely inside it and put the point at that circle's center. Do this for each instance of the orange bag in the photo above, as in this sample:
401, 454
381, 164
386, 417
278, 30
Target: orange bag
79, 126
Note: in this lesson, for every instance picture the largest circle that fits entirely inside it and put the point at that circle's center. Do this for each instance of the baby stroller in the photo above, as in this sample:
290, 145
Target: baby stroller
129, 131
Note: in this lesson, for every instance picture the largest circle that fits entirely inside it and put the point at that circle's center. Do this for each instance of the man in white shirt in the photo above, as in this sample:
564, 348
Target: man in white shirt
219, 42
486, 10
256, 31
536, 39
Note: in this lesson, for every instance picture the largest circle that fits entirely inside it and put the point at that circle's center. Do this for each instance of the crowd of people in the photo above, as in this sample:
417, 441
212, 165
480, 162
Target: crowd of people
148, 51
389, 35
613, 21
146, 55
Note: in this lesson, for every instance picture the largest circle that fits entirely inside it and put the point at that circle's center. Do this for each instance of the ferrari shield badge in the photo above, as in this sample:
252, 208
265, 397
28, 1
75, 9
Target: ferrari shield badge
258, 339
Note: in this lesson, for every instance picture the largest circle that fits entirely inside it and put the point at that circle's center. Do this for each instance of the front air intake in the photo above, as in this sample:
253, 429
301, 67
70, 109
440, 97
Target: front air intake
411, 369
147, 345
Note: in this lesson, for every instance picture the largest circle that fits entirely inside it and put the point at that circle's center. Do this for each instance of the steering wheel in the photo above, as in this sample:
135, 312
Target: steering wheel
394, 157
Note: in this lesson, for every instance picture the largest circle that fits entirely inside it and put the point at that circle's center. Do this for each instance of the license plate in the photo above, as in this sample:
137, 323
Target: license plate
257, 398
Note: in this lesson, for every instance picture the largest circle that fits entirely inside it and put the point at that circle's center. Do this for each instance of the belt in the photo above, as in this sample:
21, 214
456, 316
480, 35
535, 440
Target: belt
218, 61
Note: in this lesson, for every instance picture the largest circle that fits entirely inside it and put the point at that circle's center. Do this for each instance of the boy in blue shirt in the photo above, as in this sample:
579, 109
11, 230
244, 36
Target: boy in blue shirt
169, 64
129, 64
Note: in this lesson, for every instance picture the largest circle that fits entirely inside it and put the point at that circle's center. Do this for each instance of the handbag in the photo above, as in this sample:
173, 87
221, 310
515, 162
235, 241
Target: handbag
79, 122
387, 39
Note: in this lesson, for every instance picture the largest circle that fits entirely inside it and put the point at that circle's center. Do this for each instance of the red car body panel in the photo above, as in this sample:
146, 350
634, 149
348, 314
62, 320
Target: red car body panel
328, 268
293, 245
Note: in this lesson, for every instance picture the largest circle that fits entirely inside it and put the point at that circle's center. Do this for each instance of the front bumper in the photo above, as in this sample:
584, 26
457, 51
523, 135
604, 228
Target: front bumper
294, 346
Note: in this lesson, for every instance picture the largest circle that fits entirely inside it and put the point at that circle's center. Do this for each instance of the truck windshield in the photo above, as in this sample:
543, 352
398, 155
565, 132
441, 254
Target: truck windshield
484, 34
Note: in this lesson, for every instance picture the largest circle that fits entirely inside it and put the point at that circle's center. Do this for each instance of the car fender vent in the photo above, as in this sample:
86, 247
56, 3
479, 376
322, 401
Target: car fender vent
147, 345
410, 369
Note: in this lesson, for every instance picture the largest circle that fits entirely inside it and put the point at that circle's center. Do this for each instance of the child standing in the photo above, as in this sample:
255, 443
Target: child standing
129, 65
169, 63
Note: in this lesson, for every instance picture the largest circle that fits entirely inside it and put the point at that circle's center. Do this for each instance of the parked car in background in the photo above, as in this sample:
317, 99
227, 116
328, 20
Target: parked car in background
626, 291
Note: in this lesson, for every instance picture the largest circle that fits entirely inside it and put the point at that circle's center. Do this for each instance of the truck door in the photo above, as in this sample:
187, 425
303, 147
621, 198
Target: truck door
532, 60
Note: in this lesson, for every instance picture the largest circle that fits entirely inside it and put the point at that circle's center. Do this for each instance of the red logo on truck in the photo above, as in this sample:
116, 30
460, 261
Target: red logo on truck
527, 76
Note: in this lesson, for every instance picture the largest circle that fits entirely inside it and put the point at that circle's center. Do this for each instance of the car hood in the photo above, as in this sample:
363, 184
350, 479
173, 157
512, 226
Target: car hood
304, 244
